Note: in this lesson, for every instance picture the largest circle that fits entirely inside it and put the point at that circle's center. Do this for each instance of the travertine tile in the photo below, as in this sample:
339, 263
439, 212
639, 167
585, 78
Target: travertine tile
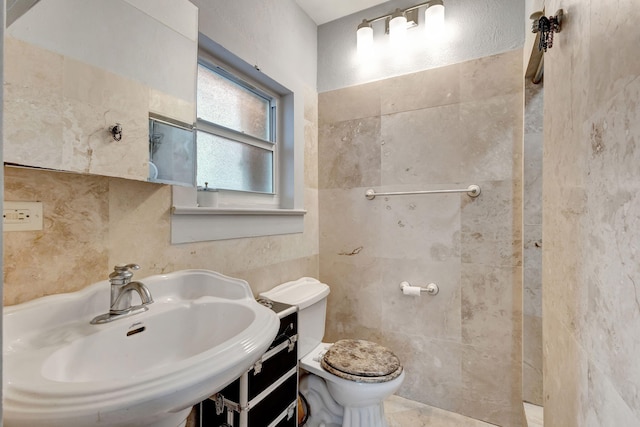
32, 67
491, 388
71, 251
311, 136
170, 106
532, 291
33, 104
139, 219
566, 398
425, 89
311, 154
32, 118
309, 241
612, 32
419, 226
492, 308
606, 407
310, 105
349, 153
60, 110
262, 279
88, 147
422, 146
492, 138
89, 84
356, 296
350, 103
349, 223
532, 384
436, 316
432, 369
495, 214
532, 177
533, 107
532, 387
402, 412
602, 308
564, 289
491, 76
535, 414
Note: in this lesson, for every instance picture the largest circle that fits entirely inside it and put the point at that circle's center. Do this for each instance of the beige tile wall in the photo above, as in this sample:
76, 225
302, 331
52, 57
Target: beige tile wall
93, 222
532, 246
591, 217
441, 128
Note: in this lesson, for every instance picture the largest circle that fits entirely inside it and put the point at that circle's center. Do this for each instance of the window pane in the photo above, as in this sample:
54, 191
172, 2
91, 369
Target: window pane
226, 103
232, 165
172, 152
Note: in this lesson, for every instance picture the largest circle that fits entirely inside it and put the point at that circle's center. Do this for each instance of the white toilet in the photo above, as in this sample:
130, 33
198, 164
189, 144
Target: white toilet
349, 380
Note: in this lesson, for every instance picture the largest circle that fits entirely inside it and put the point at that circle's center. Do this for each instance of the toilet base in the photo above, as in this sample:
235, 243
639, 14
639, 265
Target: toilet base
324, 411
370, 416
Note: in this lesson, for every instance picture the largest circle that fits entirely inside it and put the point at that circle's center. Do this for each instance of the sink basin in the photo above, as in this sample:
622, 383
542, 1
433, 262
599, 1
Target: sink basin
201, 333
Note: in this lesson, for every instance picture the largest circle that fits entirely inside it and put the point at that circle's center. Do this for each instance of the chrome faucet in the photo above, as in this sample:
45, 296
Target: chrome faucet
121, 288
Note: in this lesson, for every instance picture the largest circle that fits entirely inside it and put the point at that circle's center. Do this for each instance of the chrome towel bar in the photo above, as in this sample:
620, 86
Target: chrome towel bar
472, 191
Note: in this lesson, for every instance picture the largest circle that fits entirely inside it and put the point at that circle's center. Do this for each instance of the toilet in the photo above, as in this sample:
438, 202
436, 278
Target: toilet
349, 380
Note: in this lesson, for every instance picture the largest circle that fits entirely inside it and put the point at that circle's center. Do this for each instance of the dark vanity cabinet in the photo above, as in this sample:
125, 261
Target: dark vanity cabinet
267, 394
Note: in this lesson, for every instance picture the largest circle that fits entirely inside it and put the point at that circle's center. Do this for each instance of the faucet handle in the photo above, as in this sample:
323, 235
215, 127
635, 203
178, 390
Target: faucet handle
126, 267
122, 273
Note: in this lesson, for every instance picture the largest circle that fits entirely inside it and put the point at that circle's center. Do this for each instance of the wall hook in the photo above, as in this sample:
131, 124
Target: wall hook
116, 131
546, 26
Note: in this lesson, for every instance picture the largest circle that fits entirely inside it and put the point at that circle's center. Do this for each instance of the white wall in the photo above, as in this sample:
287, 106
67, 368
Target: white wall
474, 29
276, 36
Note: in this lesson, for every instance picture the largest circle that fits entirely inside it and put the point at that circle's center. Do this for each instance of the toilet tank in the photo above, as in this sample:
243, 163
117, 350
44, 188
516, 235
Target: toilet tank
310, 296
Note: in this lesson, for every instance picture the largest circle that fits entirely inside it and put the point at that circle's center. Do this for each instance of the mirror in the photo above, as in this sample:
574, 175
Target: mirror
73, 69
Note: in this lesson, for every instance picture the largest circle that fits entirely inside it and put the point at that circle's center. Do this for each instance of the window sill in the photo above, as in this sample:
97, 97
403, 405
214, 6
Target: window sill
198, 224
199, 210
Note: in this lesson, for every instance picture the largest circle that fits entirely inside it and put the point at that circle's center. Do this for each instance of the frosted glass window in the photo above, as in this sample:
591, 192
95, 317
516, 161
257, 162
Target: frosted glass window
232, 165
236, 132
227, 103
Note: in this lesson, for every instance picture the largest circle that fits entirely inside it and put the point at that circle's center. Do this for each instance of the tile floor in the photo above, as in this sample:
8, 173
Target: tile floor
535, 415
402, 412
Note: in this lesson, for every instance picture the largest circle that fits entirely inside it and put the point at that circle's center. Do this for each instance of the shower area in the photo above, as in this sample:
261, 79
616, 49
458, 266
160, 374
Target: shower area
445, 127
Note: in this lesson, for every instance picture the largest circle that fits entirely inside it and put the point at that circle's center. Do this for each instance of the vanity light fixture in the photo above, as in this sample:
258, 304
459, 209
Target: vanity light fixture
397, 23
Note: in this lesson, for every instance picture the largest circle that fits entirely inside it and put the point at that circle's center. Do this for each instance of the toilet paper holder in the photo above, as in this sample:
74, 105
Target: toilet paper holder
431, 288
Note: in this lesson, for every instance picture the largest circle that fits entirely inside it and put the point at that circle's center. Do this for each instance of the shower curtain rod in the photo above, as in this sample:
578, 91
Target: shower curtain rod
472, 191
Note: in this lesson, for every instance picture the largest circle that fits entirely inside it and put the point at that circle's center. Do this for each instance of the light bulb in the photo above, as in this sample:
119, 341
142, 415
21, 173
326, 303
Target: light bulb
434, 16
397, 27
364, 37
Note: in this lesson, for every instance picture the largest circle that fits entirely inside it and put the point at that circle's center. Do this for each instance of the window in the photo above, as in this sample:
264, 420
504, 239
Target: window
250, 145
236, 132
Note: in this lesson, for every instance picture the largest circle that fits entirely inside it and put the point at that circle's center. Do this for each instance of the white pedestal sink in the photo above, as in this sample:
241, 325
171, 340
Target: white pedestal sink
203, 331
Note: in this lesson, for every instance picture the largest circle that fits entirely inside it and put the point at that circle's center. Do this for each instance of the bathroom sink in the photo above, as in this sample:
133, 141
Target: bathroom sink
201, 333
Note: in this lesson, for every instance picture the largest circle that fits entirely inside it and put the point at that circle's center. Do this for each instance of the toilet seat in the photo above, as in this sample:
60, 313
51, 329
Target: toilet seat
361, 361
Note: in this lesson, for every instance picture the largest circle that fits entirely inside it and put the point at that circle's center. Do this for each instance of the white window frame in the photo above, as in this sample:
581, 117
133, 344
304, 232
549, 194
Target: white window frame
246, 199
244, 214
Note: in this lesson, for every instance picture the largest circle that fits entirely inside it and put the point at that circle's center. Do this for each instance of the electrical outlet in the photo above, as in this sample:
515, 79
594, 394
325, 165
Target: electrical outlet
22, 216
